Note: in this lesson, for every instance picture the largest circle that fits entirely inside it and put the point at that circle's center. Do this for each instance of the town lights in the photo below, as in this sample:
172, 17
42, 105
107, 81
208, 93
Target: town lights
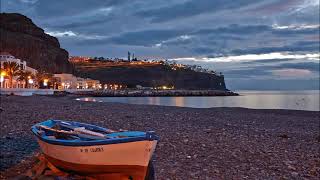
30, 81
45, 82
2, 75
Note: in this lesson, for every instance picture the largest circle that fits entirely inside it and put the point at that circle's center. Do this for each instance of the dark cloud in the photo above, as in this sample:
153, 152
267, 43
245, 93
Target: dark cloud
266, 61
294, 32
80, 24
146, 38
312, 66
301, 46
192, 8
235, 29
49, 8
247, 73
273, 84
140, 38
203, 50
275, 6
266, 70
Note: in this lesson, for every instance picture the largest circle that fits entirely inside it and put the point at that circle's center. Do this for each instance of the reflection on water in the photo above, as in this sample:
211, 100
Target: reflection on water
299, 100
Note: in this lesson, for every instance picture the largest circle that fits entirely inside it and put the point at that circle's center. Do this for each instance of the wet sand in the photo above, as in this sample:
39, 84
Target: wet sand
214, 143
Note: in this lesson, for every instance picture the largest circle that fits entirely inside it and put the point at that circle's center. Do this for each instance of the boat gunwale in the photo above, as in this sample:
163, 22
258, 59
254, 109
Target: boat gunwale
149, 136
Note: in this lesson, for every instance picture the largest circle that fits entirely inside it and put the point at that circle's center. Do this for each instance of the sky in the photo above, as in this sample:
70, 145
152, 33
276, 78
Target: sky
256, 44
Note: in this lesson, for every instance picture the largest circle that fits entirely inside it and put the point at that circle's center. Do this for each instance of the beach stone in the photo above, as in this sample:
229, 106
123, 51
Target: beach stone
21, 177
213, 143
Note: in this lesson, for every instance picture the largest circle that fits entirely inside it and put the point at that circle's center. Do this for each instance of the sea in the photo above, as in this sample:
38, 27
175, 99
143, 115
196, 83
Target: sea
292, 100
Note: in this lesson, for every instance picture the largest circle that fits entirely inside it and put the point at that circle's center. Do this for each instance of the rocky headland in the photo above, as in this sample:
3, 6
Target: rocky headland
149, 75
25, 40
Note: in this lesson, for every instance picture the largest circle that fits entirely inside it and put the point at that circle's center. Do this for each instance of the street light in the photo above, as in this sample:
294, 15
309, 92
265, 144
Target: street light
2, 75
45, 82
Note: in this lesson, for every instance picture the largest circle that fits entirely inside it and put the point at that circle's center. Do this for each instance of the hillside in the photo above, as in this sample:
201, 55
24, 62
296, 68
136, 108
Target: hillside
149, 75
23, 39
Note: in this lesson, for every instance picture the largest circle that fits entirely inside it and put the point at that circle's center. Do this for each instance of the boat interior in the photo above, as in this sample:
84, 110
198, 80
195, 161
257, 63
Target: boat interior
58, 130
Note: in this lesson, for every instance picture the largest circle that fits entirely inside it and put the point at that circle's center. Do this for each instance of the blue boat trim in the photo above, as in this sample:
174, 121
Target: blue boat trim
137, 135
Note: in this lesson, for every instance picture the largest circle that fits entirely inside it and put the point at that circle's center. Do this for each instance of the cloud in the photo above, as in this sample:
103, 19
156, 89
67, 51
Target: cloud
179, 40
292, 73
252, 57
61, 34
275, 6
192, 8
235, 29
47, 8
276, 71
296, 26
141, 38
310, 66
71, 34
300, 46
29, 1
266, 61
273, 84
255, 73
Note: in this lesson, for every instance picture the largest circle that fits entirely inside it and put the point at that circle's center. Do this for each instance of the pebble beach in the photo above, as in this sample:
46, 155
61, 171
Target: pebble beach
211, 143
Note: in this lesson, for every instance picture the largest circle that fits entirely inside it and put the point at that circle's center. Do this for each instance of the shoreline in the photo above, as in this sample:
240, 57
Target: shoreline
80, 98
116, 93
155, 93
213, 143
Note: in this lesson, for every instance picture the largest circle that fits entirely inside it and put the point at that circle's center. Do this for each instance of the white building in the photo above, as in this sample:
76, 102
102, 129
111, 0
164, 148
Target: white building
7, 57
69, 81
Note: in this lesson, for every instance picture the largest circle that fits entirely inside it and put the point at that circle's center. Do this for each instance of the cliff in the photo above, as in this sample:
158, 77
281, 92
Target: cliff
153, 75
23, 39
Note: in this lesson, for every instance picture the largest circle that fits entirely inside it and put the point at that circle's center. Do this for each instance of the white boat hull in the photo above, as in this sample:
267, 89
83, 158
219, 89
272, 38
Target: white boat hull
129, 157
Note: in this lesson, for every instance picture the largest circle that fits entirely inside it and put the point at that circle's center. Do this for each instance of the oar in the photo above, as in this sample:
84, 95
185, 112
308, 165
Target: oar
80, 132
69, 126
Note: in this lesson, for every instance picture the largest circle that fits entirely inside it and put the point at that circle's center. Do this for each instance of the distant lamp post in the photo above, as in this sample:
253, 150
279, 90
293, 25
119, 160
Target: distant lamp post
45, 82
2, 75
30, 81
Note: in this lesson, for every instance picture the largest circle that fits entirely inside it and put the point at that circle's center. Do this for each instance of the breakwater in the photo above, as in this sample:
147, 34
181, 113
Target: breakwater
147, 93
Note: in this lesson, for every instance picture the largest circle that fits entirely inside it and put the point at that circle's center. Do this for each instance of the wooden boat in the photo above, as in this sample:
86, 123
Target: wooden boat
89, 149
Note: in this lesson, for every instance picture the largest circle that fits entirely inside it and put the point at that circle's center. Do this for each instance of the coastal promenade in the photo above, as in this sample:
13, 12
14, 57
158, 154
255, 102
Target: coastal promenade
213, 143
30, 92
146, 93
115, 93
